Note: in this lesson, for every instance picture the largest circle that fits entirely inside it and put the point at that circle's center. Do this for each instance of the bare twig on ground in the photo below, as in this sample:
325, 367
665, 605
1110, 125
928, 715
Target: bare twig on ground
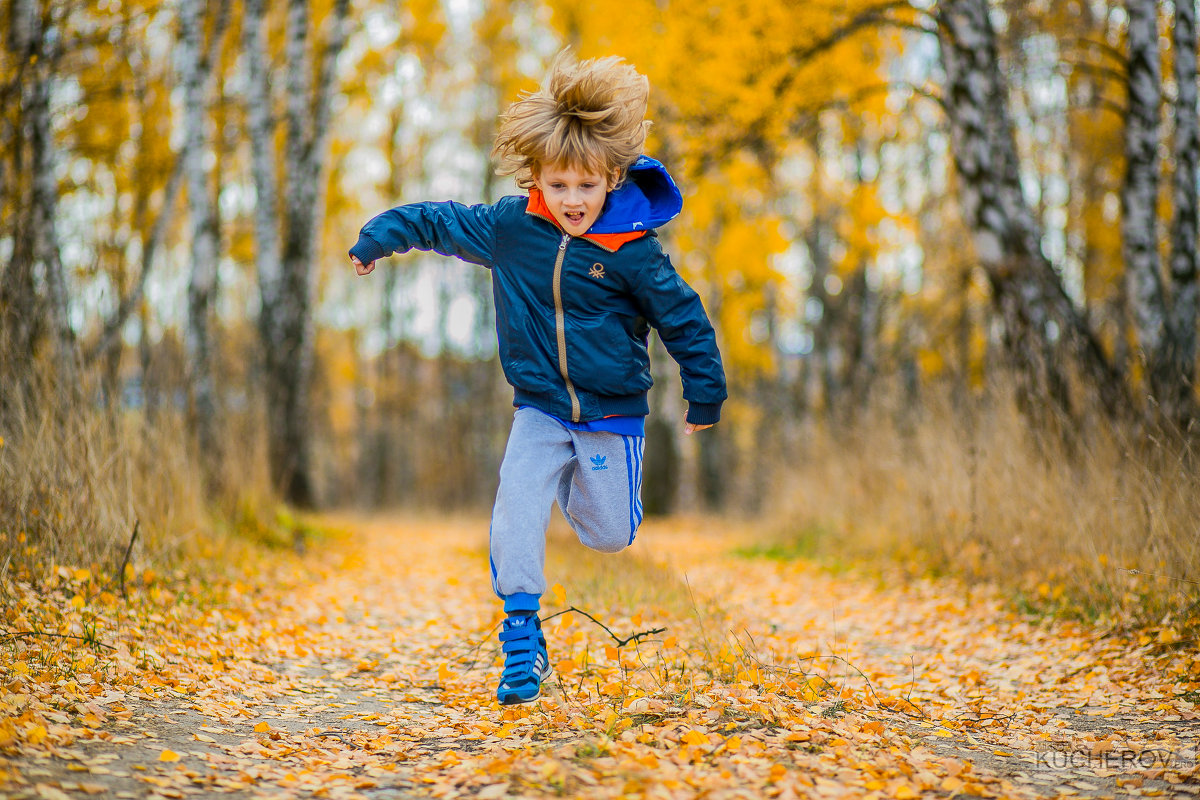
125, 561
636, 637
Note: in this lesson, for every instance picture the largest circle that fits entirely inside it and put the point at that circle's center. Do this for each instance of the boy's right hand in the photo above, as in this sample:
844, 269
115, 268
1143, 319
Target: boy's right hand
361, 268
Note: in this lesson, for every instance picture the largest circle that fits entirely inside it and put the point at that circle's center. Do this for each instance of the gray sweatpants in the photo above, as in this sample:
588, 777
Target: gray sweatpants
596, 477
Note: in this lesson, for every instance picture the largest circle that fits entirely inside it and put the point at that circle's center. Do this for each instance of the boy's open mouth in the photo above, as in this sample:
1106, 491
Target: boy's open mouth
576, 217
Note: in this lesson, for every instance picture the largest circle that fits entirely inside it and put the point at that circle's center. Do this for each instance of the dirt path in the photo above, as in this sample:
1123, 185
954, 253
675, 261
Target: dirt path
771, 679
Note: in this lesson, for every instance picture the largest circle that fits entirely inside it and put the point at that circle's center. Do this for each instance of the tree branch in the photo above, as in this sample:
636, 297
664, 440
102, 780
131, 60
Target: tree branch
868, 18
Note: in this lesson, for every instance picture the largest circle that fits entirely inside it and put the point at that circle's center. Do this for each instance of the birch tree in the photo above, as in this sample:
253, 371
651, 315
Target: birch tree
1181, 355
286, 233
1139, 191
1039, 318
195, 67
34, 296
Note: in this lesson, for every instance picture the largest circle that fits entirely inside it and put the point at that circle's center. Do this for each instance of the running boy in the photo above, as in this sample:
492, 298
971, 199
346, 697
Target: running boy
578, 279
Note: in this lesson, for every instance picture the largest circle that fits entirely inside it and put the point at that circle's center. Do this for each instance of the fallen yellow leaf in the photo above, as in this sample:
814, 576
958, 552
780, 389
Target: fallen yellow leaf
952, 785
1168, 636
35, 734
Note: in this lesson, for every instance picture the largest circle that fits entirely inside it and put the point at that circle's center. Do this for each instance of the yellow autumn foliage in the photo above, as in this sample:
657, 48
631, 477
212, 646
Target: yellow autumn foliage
730, 83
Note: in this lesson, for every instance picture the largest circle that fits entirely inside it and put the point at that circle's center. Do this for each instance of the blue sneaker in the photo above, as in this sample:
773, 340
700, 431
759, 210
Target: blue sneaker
526, 662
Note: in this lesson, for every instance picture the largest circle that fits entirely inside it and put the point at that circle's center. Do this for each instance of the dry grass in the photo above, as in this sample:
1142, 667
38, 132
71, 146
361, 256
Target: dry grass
75, 481
1105, 525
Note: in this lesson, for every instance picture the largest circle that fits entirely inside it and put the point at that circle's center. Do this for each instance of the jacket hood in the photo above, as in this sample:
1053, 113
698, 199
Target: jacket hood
647, 199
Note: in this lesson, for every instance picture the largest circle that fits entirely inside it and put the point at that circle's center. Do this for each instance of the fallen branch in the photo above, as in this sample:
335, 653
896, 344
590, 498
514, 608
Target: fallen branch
637, 637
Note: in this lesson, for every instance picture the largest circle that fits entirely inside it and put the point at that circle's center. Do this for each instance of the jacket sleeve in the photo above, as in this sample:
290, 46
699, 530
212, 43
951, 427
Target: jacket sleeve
674, 309
451, 229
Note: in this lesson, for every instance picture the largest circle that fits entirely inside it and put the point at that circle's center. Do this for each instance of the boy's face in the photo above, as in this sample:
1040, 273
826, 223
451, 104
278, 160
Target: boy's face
575, 196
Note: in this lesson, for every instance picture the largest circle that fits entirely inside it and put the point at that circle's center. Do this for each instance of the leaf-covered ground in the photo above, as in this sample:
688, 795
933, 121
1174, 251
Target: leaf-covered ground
369, 672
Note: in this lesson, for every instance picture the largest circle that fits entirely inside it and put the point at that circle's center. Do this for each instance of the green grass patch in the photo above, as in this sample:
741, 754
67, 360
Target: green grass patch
812, 541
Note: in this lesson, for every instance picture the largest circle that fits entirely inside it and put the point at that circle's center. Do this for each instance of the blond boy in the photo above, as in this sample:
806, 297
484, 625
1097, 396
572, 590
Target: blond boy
578, 281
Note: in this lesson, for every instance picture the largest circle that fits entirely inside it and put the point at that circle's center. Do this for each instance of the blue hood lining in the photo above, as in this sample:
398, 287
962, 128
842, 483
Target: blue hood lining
647, 199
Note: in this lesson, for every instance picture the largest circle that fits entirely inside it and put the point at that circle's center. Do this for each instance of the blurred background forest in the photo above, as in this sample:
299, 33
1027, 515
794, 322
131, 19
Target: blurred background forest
950, 249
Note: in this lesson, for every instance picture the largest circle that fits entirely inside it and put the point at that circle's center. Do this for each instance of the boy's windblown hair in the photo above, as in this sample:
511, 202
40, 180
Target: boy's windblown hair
588, 115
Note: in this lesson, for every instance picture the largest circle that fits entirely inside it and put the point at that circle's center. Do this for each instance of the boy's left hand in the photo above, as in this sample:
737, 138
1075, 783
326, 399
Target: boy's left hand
361, 268
691, 428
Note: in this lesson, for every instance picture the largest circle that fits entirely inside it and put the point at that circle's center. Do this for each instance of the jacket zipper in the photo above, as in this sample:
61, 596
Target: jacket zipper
560, 325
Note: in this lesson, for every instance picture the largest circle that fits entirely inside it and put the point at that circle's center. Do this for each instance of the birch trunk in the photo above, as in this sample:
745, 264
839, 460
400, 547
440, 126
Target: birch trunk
205, 245
34, 296
261, 129
1181, 352
21, 307
286, 277
291, 379
1139, 193
45, 215
817, 239
1042, 326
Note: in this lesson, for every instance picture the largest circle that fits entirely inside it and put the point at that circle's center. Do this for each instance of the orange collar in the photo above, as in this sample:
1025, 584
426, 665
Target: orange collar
609, 241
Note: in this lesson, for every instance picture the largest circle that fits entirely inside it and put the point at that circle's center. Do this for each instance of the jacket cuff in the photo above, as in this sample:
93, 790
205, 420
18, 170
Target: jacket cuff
704, 413
368, 250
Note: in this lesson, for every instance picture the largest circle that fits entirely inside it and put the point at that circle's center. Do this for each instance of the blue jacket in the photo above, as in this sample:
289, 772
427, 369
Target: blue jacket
573, 313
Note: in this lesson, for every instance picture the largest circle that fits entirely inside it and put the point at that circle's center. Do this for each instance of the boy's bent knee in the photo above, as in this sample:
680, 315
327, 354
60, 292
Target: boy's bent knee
603, 540
609, 545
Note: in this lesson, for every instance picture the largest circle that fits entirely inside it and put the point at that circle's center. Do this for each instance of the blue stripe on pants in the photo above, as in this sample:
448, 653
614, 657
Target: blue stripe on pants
634, 447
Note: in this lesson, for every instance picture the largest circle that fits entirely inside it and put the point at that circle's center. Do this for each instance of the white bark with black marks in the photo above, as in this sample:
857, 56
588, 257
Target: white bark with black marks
1181, 355
193, 69
35, 296
287, 263
1139, 192
1043, 328
260, 125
